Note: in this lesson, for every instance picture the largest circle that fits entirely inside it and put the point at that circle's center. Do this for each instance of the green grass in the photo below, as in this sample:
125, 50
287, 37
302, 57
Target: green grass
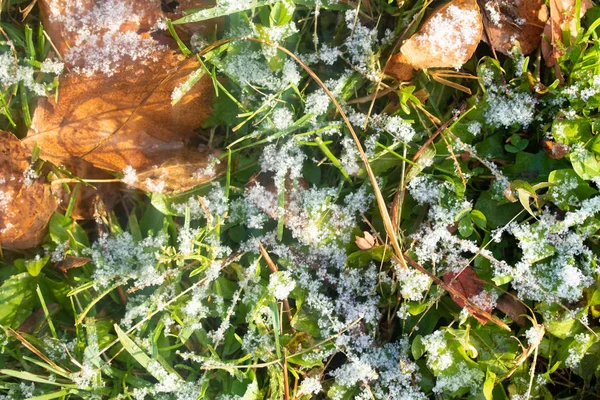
252, 286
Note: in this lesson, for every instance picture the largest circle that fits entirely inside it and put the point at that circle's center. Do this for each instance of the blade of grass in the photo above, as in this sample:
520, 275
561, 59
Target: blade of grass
46, 313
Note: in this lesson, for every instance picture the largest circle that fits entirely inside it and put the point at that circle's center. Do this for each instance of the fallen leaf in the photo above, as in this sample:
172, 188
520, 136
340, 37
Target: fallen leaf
515, 20
367, 242
555, 150
26, 201
447, 39
186, 31
399, 68
513, 308
119, 116
86, 195
469, 285
562, 13
70, 262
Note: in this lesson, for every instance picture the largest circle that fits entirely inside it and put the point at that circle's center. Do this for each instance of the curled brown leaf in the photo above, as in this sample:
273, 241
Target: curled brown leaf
510, 21
367, 242
26, 202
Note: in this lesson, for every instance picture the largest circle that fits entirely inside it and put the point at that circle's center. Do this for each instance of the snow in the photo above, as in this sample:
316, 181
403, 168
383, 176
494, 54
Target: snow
451, 33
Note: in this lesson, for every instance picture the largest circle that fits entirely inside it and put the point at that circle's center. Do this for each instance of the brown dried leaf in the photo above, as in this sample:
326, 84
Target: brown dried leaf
510, 20
399, 68
555, 150
367, 242
469, 285
126, 119
562, 13
26, 204
71, 262
513, 308
87, 196
185, 31
448, 38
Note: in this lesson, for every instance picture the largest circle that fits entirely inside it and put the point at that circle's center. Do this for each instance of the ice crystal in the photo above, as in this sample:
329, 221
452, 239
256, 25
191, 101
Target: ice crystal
281, 284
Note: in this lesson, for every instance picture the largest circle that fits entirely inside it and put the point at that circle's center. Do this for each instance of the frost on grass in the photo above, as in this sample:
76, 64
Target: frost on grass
387, 371
121, 258
282, 118
451, 371
506, 107
359, 45
281, 284
556, 263
413, 284
250, 68
12, 73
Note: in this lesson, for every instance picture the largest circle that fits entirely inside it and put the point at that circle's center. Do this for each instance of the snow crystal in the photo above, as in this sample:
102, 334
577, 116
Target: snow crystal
329, 55
51, 66
474, 127
282, 118
281, 284
439, 356
129, 176
510, 109
309, 386
468, 377
101, 45
534, 335
493, 13
451, 33
120, 258
402, 130
359, 44
413, 284
350, 156
12, 73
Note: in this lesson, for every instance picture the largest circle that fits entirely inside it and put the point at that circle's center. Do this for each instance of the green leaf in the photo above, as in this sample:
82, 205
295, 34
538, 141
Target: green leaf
524, 197
465, 226
186, 86
252, 392
17, 297
571, 131
303, 321
585, 164
417, 347
133, 349
219, 11
479, 218
568, 189
281, 13
28, 376
35, 265
488, 385
64, 229
51, 395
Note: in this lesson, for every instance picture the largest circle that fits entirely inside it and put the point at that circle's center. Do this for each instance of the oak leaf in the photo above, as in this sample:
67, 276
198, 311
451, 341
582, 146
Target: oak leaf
26, 202
562, 13
508, 21
448, 38
119, 117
